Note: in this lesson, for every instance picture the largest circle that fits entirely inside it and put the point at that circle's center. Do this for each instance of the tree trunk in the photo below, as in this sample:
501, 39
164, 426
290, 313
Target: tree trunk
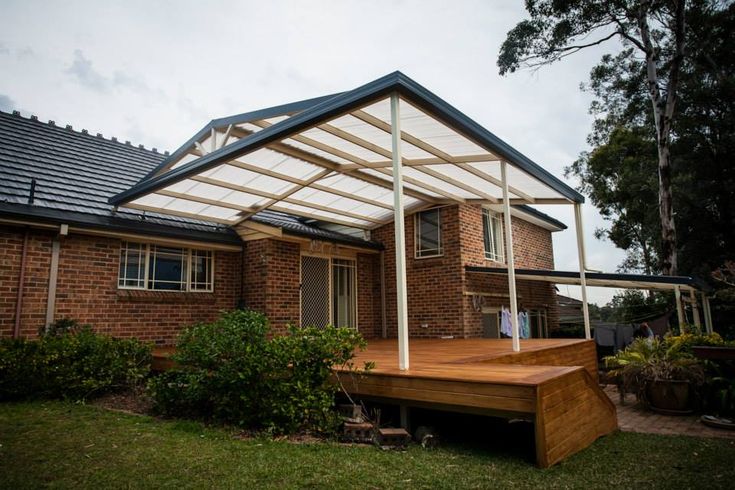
663, 113
666, 208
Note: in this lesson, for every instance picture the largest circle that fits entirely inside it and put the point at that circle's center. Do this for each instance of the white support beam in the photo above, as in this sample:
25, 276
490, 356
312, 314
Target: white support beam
695, 310
400, 233
509, 260
679, 309
582, 268
52, 279
707, 314
226, 137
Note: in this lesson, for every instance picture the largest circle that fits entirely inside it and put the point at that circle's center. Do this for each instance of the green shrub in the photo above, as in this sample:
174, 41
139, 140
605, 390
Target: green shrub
70, 363
230, 371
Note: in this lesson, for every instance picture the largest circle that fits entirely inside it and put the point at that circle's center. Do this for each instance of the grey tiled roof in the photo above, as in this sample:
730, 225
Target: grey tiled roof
76, 173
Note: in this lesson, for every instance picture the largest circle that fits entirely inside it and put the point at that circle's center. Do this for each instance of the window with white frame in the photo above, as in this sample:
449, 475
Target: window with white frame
428, 233
155, 267
492, 232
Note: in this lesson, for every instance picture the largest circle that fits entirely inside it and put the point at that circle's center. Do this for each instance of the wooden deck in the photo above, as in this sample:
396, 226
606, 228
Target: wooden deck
552, 382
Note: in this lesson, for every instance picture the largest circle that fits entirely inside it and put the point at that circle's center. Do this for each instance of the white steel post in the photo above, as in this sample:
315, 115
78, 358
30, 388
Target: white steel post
695, 310
400, 233
679, 309
582, 268
707, 314
509, 259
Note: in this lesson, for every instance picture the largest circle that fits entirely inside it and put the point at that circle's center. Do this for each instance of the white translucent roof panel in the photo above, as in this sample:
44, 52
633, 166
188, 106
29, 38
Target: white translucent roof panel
272, 161
368, 132
246, 178
320, 214
426, 128
339, 170
175, 206
518, 179
318, 152
343, 145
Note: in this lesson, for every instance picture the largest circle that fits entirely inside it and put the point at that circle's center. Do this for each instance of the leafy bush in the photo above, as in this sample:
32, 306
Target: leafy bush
230, 370
648, 360
686, 341
70, 363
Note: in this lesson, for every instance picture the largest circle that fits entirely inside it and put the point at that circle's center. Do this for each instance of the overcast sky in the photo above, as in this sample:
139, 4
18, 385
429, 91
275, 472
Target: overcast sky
154, 72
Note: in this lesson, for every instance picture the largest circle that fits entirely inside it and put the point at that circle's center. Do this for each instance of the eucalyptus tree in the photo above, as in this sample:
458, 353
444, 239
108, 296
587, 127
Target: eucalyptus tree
654, 30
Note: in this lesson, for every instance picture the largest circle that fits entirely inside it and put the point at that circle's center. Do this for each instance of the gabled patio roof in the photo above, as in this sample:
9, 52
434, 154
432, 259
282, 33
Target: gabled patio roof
330, 159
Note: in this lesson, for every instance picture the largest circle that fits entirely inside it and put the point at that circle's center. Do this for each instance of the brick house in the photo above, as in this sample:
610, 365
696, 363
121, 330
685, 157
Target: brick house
145, 270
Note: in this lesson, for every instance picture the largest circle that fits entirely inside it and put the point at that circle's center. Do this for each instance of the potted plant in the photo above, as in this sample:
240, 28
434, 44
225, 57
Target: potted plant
660, 373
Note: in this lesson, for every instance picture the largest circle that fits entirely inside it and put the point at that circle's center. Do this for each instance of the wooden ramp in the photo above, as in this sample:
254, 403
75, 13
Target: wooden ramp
552, 382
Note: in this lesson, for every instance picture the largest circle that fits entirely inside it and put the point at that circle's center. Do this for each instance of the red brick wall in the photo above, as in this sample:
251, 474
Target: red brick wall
87, 289
369, 308
35, 290
437, 286
434, 284
532, 245
272, 279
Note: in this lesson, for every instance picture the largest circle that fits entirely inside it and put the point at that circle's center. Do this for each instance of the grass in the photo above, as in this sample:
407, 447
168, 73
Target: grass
61, 445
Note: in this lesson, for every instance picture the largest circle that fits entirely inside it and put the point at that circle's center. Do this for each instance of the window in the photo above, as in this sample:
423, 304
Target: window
428, 233
161, 268
492, 232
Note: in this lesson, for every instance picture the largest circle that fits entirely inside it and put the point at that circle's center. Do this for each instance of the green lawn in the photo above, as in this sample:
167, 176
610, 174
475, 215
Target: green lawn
74, 446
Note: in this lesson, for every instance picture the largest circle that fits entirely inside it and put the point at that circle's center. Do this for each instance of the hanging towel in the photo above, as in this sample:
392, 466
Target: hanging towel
505, 325
524, 331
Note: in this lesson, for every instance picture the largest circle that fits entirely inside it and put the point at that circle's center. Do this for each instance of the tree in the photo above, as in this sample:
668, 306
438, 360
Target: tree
619, 178
619, 172
655, 29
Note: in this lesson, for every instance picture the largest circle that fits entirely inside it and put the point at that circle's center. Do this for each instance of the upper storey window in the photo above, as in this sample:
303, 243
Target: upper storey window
492, 232
428, 233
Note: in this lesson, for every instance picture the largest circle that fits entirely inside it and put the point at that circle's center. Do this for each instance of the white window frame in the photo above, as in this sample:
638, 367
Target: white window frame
495, 225
187, 255
429, 253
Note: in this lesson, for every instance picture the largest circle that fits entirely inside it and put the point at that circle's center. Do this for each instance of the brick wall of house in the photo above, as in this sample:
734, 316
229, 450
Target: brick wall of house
434, 284
369, 308
87, 289
272, 278
437, 286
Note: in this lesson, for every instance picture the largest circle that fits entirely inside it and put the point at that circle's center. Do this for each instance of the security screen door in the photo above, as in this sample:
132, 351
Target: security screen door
328, 292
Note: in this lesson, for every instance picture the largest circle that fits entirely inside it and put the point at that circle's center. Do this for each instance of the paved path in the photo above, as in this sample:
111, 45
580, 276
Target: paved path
634, 418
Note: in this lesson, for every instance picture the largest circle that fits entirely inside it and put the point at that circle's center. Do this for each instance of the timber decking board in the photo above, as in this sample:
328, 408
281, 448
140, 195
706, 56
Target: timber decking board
551, 381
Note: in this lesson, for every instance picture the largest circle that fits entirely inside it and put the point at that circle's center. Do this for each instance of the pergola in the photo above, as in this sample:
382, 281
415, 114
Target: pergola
360, 159
677, 284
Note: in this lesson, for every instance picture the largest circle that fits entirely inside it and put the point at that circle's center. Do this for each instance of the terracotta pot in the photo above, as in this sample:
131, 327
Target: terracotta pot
669, 396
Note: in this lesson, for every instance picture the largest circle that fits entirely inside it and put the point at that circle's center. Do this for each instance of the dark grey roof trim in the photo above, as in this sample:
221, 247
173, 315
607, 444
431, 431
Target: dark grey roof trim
601, 276
542, 216
267, 113
341, 104
113, 223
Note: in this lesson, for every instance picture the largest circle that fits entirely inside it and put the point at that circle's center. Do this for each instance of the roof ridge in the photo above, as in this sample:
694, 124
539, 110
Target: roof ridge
84, 132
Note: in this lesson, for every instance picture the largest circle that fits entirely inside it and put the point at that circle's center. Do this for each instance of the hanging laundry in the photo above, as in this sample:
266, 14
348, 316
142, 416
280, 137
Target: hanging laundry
524, 329
505, 324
